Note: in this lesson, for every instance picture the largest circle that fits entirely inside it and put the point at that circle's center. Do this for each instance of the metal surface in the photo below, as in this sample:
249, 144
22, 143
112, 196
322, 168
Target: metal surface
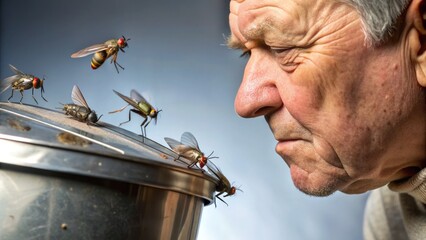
64, 179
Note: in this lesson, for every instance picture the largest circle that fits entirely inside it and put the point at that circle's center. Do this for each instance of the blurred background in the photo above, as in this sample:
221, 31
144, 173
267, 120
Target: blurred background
177, 59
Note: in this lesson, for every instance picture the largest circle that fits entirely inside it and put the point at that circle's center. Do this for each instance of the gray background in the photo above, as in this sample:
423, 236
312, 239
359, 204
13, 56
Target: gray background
177, 59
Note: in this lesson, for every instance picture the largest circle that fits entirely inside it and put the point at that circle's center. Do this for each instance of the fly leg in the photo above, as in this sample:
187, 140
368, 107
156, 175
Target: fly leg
191, 166
180, 160
10, 96
130, 111
32, 91
218, 197
114, 59
142, 130
41, 93
119, 110
144, 126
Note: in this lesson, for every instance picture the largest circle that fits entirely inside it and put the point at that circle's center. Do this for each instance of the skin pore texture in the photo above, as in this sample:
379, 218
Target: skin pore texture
347, 116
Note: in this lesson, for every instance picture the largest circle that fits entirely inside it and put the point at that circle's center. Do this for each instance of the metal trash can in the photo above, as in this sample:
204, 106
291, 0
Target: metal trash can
64, 179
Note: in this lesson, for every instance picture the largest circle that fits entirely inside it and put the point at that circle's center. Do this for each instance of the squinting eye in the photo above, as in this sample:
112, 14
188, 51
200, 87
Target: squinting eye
286, 57
277, 51
245, 54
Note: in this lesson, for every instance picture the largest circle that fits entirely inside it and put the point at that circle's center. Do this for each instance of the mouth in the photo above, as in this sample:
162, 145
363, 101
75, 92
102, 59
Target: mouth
290, 134
289, 139
287, 147
304, 152
296, 150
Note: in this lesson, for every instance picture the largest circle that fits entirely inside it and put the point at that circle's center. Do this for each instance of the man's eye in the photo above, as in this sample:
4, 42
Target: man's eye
245, 54
280, 51
289, 67
287, 57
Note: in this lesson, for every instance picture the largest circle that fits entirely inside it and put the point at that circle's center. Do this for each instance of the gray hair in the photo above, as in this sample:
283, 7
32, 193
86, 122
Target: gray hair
379, 17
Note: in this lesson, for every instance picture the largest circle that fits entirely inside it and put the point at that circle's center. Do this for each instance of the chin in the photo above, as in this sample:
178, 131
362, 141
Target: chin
315, 184
320, 191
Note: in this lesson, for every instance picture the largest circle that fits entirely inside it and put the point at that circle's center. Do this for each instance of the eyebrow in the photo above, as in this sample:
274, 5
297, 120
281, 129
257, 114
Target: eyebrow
233, 43
255, 33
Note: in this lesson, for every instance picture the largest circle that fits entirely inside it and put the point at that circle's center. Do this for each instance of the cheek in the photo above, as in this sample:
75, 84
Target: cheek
319, 94
324, 109
303, 100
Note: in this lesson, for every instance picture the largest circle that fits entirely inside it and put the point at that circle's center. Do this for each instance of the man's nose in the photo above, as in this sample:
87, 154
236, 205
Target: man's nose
258, 93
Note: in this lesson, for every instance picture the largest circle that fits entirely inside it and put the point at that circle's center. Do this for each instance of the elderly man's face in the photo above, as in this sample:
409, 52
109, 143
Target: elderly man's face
334, 104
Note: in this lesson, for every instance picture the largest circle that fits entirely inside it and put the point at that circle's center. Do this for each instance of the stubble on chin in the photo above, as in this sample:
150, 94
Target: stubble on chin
312, 184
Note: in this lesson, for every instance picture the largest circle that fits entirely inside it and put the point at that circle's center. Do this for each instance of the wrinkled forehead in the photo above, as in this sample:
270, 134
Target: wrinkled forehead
253, 19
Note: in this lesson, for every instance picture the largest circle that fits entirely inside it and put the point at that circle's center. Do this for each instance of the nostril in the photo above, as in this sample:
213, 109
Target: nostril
263, 111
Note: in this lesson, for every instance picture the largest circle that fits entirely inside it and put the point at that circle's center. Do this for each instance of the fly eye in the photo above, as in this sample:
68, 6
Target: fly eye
121, 42
36, 83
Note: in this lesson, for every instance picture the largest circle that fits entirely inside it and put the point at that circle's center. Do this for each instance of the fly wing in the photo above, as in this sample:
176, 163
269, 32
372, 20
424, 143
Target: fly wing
177, 146
189, 140
15, 70
90, 50
7, 83
127, 99
174, 144
214, 169
78, 98
135, 95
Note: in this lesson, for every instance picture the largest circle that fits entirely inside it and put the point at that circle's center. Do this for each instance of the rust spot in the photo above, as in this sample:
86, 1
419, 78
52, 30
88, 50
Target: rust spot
71, 139
162, 155
20, 126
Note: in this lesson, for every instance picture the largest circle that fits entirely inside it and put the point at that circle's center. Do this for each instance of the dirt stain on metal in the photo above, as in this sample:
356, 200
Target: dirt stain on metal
18, 125
71, 139
64, 226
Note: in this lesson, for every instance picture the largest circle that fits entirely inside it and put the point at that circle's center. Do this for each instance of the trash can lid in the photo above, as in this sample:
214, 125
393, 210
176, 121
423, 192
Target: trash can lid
36, 137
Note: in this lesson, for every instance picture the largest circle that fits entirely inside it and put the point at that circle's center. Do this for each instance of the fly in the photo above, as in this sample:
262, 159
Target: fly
141, 107
79, 109
224, 186
188, 148
22, 81
103, 51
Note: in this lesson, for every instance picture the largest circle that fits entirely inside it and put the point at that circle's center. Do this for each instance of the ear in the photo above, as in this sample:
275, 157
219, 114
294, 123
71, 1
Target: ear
416, 17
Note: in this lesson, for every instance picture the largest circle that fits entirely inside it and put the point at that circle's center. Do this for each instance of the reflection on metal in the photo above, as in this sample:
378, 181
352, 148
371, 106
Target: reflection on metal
104, 184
